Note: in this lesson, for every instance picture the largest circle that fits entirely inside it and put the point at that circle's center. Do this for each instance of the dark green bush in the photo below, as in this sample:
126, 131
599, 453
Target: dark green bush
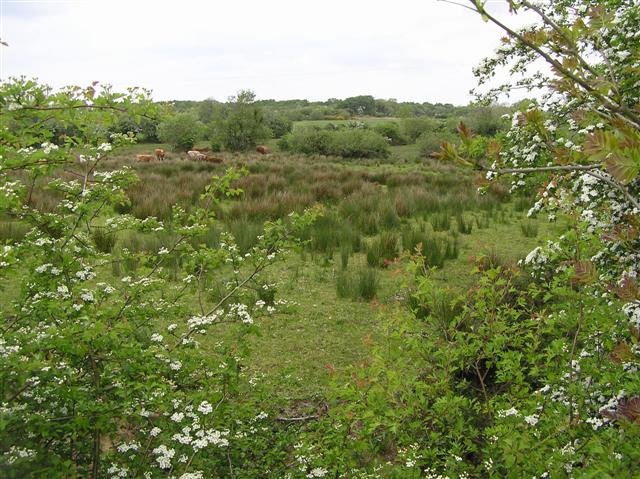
391, 131
349, 143
412, 128
430, 141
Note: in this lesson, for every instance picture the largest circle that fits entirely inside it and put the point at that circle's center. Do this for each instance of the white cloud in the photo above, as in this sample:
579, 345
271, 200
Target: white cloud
411, 50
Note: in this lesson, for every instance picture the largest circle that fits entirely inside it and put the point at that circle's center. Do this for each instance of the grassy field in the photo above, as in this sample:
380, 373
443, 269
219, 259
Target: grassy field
374, 210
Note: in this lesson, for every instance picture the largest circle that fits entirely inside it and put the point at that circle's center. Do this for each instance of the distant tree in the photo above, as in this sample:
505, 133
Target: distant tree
406, 110
486, 120
181, 131
360, 105
245, 123
209, 110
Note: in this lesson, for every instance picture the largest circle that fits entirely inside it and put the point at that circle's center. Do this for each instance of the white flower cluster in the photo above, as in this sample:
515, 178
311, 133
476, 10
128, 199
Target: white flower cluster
241, 312
48, 147
508, 412
164, 456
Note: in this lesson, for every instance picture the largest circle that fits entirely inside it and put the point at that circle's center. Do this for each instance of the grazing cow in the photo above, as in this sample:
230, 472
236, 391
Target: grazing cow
213, 159
263, 150
145, 157
159, 152
202, 150
196, 155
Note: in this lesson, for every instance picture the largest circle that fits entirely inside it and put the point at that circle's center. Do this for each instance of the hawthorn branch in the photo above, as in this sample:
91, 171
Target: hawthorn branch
620, 110
592, 170
558, 29
628, 196
536, 169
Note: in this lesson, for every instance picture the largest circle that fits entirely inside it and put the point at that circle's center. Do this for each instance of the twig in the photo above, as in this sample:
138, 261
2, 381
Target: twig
297, 419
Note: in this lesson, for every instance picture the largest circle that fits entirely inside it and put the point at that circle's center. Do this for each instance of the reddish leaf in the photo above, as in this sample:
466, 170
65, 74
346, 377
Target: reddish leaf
621, 353
623, 167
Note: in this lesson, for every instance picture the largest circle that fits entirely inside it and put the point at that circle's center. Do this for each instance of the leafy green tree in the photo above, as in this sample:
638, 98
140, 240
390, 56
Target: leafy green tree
245, 124
181, 131
359, 105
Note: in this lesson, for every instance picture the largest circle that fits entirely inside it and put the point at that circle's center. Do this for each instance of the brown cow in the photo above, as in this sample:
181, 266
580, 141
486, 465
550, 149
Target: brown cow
263, 150
202, 150
145, 157
213, 159
159, 152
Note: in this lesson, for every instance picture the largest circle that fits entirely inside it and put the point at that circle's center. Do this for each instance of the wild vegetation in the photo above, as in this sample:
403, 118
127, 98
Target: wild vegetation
379, 297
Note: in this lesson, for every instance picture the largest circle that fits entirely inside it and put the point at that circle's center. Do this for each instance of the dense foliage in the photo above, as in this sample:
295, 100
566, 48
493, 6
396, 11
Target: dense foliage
348, 142
181, 131
244, 124
530, 372
534, 371
104, 376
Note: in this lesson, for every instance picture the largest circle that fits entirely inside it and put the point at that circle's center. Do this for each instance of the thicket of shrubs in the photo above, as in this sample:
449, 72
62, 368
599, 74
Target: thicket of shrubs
351, 143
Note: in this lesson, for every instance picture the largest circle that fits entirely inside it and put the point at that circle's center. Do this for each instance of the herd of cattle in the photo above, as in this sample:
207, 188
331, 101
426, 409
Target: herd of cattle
198, 154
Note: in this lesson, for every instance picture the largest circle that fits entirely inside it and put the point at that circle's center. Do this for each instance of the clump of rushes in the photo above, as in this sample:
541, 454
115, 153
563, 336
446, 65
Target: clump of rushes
440, 221
529, 228
361, 284
382, 248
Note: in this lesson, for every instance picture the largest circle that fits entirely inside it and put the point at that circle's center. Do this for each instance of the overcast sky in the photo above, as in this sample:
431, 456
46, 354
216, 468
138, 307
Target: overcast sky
411, 50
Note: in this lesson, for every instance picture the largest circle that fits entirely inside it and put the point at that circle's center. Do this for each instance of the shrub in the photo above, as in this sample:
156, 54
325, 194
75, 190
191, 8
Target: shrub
391, 131
430, 141
278, 125
181, 131
351, 143
412, 128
